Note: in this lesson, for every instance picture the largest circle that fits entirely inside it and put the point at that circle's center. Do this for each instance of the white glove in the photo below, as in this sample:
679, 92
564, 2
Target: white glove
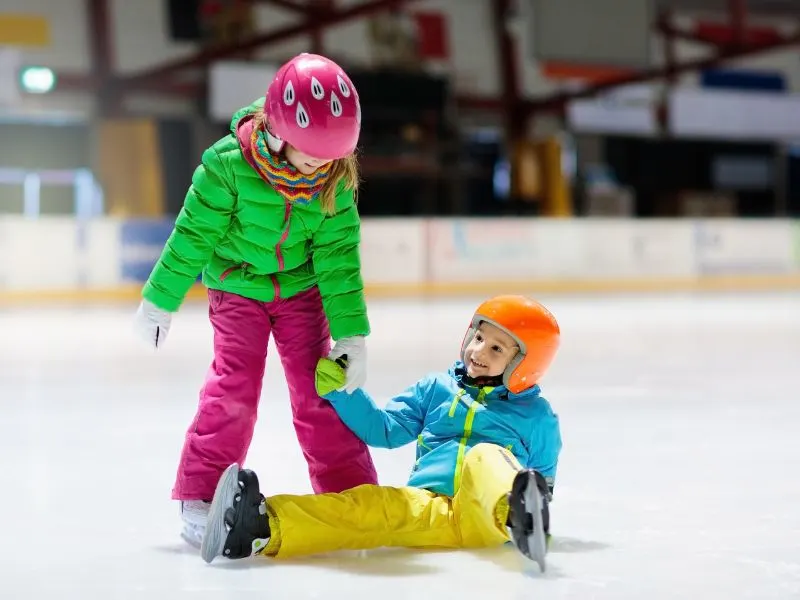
354, 351
152, 324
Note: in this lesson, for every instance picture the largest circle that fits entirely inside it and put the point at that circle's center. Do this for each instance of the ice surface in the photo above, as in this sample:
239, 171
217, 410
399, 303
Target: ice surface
680, 476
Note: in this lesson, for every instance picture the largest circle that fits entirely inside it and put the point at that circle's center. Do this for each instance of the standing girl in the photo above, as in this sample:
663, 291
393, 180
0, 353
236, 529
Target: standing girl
270, 219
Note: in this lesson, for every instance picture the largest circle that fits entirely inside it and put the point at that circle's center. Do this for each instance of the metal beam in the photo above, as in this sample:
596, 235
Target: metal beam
668, 30
557, 101
206, 57
664, 26
738, 17
286, 4
760, 8
507, 67
101, 52
101, 46
81, 83
317, 32
75, 82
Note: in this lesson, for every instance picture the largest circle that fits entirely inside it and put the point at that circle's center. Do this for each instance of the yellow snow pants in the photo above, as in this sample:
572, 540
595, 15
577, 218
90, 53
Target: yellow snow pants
371, 516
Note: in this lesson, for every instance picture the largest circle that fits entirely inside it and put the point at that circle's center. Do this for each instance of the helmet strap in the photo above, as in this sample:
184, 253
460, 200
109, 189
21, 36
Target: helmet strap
275, 143
481, 382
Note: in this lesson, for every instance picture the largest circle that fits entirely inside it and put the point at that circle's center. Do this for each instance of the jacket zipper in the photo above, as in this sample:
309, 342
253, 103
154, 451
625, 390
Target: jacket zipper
287, 214
451, 413
462, 445
281, 263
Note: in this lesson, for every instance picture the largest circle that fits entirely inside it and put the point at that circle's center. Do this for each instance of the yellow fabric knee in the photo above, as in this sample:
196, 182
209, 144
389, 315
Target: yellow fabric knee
481, 503
501, 512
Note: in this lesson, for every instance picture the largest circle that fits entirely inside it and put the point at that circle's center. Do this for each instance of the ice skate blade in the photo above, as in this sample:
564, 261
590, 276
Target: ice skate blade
527, 522
537, 541
216, 531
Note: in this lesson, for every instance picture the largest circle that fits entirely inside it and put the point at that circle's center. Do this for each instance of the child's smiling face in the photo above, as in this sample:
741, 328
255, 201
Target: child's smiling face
490, 352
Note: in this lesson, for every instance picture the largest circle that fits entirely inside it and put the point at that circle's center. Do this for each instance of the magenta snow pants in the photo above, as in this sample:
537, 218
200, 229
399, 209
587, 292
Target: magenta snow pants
222, 429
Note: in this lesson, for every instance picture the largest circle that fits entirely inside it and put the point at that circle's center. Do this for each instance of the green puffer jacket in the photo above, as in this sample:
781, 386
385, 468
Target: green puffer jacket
247, 240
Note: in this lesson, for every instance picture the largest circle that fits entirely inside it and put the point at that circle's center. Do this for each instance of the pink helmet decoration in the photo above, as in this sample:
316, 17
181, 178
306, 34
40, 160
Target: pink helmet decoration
312, 105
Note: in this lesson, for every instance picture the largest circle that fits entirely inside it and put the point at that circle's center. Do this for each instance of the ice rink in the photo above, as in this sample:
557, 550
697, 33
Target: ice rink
680, 475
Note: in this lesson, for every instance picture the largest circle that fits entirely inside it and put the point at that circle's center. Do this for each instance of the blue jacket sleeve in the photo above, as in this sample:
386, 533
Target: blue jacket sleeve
545, 445
396, 425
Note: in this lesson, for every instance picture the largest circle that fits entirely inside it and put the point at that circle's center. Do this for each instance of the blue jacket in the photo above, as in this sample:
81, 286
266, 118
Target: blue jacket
447, 417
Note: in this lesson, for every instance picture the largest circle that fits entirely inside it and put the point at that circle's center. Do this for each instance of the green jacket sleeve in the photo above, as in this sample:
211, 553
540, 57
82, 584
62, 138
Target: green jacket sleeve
203, 220
337, 264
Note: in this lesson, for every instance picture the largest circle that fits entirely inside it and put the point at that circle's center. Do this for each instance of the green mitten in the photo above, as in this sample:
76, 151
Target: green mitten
329, 376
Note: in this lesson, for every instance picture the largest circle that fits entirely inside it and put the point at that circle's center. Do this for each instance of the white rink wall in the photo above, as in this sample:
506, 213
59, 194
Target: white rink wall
62, 259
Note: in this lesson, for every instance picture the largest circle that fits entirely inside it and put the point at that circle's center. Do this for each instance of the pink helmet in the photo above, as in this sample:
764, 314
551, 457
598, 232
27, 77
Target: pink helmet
312, 105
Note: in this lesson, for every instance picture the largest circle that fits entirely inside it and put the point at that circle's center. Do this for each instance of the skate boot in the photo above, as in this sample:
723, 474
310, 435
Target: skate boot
529, 515
194, 514
238, 525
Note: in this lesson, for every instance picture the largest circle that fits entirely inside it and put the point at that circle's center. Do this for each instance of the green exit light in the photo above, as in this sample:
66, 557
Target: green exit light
37, 80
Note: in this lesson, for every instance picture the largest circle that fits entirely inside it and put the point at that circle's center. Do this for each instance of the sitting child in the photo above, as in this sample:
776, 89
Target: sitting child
487, 448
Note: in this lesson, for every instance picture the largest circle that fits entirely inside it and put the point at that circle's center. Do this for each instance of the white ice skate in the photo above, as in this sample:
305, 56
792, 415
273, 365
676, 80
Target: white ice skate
194, 514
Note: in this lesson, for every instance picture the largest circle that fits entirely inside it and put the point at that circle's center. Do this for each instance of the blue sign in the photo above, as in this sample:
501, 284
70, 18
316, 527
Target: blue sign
741, 79
142, 242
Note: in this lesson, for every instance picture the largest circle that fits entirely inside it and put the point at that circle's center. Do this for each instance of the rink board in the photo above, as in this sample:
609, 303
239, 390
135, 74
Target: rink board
106, 259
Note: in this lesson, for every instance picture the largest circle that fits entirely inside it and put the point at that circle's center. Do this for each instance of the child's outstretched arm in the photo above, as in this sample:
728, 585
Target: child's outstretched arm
398, 424
337, 263
204, 218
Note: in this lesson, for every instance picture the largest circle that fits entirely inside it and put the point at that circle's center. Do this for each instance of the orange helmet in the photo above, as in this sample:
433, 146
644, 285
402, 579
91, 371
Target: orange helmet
533, 328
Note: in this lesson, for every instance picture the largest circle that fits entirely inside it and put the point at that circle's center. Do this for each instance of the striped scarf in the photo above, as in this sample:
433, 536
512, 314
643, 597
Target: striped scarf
288, 181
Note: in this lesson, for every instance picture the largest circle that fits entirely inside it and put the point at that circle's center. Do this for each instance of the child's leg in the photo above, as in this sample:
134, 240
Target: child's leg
491, 479
364, 517
337, 459
222, 428
481, 503
242, 522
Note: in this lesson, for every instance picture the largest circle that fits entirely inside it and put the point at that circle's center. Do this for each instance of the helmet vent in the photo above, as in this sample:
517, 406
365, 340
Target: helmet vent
316, 89
302, 116
343, 87
288, 94
336, 105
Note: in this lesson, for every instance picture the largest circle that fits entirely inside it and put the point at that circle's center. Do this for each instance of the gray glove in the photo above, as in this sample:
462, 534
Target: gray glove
354, 351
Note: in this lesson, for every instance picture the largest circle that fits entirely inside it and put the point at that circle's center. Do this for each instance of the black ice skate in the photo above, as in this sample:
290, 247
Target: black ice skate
529, 516
238, 525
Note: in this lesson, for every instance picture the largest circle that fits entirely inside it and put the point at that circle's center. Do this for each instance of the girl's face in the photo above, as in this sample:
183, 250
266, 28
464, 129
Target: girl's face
303, 162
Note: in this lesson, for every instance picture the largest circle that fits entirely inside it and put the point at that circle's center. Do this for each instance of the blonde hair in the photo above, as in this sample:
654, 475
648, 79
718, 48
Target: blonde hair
344, 171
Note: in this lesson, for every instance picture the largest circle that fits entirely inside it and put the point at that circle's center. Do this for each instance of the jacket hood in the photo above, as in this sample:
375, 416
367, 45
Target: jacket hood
242, 125
459, 372
245, 111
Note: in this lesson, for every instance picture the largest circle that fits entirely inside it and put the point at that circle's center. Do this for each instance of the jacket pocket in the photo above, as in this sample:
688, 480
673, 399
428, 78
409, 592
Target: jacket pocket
227, 272
215, 299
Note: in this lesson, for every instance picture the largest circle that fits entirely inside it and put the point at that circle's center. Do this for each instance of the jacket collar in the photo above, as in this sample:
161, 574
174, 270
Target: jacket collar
500, 392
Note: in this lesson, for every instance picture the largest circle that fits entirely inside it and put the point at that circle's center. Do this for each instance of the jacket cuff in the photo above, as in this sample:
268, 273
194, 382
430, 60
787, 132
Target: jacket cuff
328, 377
